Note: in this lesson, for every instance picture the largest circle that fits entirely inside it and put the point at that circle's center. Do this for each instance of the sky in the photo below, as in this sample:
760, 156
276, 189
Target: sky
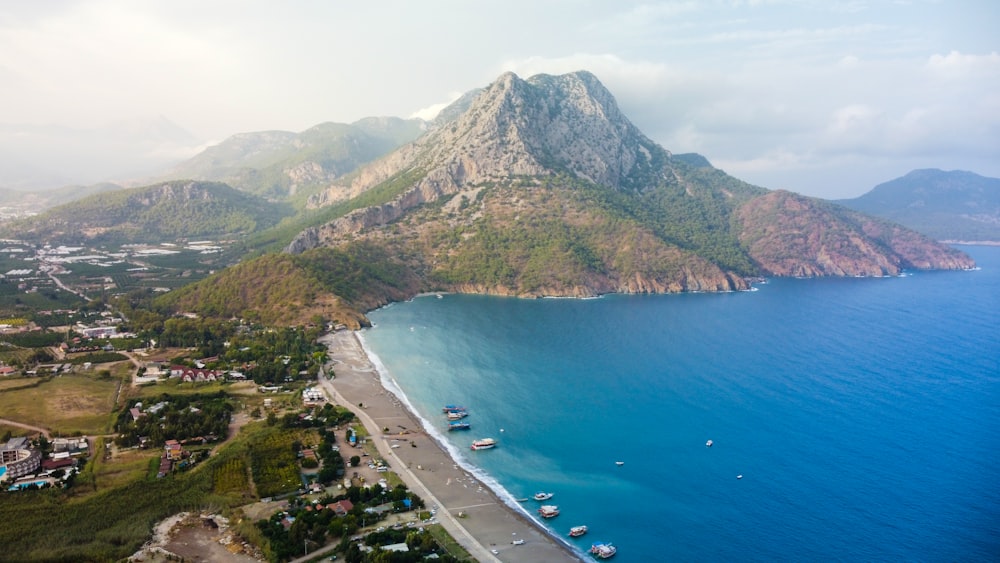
827, 98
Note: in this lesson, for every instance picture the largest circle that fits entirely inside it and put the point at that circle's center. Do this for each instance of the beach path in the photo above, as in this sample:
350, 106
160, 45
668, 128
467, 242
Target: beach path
467, 509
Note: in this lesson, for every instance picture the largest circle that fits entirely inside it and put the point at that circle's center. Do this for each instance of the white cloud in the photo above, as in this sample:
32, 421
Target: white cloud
776, 89
956, 64
430, 112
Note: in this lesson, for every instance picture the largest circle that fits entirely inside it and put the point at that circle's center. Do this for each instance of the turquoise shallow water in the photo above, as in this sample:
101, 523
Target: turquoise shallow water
863, 414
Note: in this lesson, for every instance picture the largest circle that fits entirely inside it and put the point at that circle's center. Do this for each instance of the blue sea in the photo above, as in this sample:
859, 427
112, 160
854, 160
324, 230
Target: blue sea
863, 414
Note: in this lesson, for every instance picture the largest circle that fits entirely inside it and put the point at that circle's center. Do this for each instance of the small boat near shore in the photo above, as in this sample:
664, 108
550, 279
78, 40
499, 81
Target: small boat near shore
577, 531
459, 425
484, 444
603, 550
548, 511
541, 495
457, 415
452, 408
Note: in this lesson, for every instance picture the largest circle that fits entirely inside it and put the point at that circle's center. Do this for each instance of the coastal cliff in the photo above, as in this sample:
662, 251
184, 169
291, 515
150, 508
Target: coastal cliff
791, 235
542, 187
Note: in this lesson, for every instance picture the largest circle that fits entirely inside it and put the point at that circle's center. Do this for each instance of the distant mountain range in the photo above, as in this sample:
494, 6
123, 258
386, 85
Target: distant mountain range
954, 206
285, 165
161, 212
531, 187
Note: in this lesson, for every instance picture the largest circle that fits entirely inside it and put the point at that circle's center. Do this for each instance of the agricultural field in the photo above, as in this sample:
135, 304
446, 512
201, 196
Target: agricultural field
124, 466
273, 462
231, 477
65, 404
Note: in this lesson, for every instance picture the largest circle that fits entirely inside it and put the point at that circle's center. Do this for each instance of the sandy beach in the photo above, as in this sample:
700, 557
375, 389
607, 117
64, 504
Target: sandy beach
470, 511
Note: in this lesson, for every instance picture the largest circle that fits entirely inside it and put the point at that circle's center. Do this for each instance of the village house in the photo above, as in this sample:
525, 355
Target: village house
71, 446
341, 507
96, 331
191, 375
312, 396
174, 451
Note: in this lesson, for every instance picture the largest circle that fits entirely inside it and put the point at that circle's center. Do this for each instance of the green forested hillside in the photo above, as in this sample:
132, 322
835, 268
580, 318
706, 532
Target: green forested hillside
281, 289
292, 166
168, 211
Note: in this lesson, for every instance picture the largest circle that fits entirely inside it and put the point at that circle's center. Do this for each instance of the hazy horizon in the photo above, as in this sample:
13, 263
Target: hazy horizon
824, 99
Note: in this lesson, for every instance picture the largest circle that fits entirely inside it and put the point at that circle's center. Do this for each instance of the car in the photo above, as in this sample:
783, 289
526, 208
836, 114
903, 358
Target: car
518, 542
494, 552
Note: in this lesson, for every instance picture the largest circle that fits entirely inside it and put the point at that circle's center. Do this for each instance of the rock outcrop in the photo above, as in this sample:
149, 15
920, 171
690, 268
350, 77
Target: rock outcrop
543, 187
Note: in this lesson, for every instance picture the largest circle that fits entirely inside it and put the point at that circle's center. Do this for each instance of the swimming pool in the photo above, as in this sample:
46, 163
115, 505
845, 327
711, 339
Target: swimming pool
20, 486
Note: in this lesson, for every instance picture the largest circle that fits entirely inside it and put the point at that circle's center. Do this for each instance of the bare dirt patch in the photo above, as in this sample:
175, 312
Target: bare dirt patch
196, 537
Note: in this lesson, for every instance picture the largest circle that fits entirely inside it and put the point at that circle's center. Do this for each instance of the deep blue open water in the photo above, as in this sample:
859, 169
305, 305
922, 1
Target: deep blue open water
863, 414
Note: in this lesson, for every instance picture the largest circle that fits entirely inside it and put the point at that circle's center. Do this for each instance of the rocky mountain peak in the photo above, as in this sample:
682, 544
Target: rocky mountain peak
537, 127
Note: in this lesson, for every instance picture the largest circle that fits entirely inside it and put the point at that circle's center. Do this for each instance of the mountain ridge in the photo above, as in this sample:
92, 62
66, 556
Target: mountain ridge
536, 187
956, 205
561, 141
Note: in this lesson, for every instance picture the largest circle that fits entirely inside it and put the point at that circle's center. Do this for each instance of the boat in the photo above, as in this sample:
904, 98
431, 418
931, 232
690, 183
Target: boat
740, 476
457, 415
541, 495
548, 511
619, 463
577, 531
458, 425
603, 550
484, 444
452, 408
708, 443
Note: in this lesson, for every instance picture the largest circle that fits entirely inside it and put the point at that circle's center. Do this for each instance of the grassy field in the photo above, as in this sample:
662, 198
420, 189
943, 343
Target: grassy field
65, 404
447, 542
124, 467
12, 383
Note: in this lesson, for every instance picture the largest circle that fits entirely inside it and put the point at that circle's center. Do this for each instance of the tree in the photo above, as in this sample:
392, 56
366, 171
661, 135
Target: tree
355, 461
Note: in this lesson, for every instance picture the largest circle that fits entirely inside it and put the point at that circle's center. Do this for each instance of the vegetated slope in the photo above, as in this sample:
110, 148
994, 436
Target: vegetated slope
543, 187
37, 201
282, 164
280, 289
945, 205
788, 234
167, 211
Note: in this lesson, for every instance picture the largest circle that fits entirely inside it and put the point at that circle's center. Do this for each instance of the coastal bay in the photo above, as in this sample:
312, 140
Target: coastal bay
471, 512
846, 405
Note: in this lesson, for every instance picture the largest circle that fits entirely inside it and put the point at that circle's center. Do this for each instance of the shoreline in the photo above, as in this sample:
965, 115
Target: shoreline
472, 512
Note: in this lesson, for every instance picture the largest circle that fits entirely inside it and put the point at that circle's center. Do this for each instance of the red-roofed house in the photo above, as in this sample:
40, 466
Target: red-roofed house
341, 507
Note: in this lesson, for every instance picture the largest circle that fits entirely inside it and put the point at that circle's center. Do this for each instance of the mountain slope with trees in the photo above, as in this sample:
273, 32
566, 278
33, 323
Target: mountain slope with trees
290, 166
167, 211
553, 154
542, 187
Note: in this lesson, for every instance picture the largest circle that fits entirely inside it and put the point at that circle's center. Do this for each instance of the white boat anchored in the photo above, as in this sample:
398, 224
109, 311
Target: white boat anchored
541, 495
484, 444
548, 511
